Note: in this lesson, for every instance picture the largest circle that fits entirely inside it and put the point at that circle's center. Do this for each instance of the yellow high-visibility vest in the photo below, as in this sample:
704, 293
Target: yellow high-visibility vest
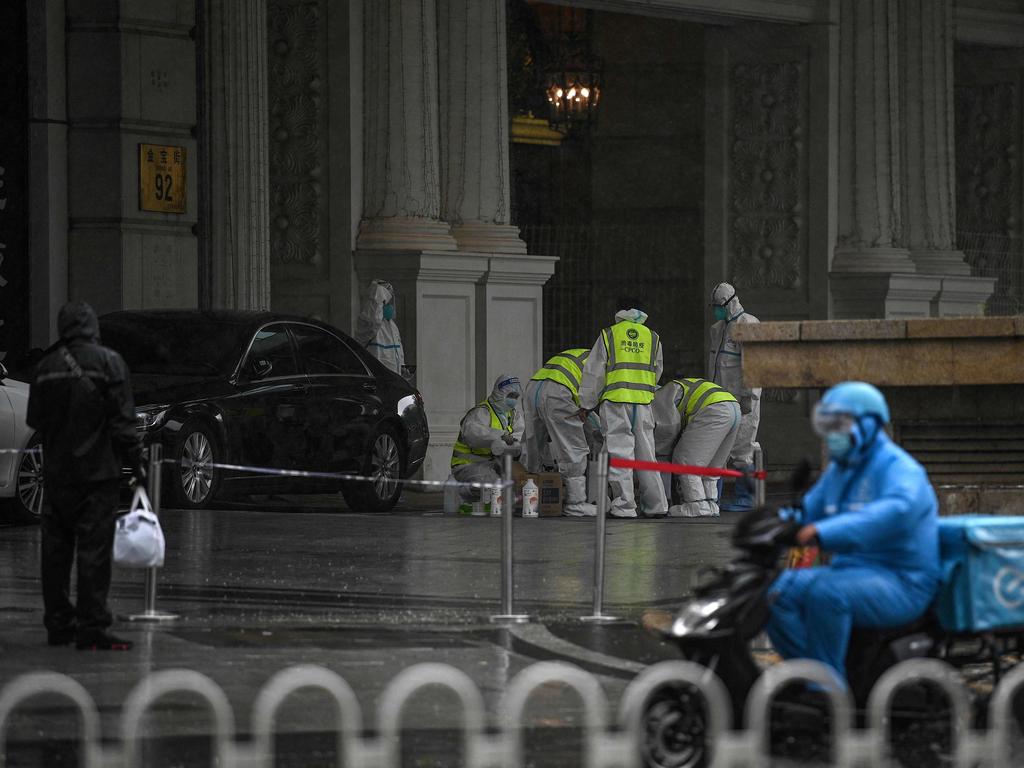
463, 454
698, 393
631, 374
567, 369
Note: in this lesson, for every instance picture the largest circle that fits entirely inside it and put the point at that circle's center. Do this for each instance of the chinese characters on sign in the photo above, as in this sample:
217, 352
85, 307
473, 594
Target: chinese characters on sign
161, 178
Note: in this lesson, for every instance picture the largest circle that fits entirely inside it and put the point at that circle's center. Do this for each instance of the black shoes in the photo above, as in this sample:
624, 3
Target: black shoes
60, 636
98, 640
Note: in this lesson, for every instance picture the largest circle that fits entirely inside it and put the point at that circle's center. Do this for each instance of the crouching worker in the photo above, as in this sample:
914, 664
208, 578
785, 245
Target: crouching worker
875, 510
487, 432
696, 422
550, 409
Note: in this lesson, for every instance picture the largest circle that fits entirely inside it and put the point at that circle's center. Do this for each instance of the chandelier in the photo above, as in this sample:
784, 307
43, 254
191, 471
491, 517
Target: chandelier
573, 74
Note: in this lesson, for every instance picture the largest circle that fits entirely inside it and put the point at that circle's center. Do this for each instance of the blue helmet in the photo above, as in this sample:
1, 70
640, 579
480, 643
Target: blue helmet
856, 399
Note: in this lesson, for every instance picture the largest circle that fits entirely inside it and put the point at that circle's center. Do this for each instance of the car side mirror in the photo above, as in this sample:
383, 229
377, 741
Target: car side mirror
3, 371
260, 367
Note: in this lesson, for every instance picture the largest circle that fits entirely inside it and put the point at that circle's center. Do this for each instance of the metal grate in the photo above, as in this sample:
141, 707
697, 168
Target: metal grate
607, 740
1001, 256
659, 265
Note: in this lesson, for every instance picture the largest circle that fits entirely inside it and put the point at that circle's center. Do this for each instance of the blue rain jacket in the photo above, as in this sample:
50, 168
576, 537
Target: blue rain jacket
879, 517
879, 512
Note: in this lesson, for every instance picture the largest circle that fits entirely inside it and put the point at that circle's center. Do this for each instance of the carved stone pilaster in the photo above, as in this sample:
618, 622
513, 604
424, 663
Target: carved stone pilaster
474, 125
767, 166
870, 216
926, 36
401, 185
238, 141
296, 116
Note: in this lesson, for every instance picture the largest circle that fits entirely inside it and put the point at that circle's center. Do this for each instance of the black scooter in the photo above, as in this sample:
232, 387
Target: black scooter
728, 608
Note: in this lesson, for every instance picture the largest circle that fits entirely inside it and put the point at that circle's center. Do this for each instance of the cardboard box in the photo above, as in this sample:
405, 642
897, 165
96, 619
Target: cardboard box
549, 487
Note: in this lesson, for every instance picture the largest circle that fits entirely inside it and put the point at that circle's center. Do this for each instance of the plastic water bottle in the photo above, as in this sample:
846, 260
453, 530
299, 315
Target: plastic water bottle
531, 498
452, 498
497, 501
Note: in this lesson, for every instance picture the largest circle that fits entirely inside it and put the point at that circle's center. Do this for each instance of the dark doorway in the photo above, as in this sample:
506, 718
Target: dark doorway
618, 196
14, 260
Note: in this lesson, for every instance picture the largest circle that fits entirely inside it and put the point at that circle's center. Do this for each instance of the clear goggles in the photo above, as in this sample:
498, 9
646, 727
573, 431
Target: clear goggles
724, 302
830, 421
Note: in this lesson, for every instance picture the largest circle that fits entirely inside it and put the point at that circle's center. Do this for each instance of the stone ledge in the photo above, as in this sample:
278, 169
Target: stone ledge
829, 330
866, 330
894, 353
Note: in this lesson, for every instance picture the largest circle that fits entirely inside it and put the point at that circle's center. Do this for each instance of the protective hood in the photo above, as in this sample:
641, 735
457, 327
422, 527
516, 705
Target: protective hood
371, 310
725, 294
632, 315
77, 320
506, 386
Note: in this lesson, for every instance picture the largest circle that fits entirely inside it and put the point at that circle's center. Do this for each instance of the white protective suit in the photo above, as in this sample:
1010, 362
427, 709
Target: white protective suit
704, 442
380, 336
549, 410
628, 430
476, 432
725, 367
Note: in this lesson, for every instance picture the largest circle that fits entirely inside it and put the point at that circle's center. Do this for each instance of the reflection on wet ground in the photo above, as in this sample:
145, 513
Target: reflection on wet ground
260, 587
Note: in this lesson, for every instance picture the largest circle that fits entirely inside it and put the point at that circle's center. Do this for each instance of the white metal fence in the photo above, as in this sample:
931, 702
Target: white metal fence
607, 740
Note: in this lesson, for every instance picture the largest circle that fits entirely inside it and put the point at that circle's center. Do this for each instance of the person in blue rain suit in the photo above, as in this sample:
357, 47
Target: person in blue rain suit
876, 512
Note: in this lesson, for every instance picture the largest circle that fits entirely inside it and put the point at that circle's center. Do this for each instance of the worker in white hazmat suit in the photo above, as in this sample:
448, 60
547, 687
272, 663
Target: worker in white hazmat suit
487, 432
550, 410
619, 380
696, 422
375, 326
725, 367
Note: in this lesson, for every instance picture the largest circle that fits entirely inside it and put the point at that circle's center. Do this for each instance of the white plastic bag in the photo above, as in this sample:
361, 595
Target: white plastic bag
138, 538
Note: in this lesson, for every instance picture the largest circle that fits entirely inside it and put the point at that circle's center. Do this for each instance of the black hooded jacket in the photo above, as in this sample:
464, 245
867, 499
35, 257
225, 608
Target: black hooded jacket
88, 433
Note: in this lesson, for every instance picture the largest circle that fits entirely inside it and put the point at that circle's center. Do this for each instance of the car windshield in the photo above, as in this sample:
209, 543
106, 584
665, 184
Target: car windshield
178, 346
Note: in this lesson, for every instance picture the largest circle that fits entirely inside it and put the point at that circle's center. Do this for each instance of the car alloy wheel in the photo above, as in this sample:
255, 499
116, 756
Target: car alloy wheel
30, 480
196, 472
385, 466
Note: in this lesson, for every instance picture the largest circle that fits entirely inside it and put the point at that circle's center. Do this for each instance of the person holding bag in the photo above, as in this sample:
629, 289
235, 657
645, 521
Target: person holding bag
81, 404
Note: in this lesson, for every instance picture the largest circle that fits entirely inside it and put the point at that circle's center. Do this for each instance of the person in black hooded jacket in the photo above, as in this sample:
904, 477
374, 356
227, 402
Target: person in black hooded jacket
81, 404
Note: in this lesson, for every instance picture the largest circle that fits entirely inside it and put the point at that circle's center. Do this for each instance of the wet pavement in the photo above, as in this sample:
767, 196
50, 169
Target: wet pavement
277, 581
283, 581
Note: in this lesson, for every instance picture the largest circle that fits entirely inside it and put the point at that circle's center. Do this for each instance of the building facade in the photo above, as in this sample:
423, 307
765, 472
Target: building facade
857, 158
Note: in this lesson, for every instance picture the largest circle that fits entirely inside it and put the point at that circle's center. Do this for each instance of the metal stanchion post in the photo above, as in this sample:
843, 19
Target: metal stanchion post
150, 613
507, 584
602, 513
760, 483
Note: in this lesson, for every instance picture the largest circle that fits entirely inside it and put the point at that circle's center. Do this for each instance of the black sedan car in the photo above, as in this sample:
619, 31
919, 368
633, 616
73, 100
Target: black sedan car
269, 391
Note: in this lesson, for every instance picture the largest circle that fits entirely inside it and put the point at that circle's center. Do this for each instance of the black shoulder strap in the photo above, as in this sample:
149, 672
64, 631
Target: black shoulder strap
76, 369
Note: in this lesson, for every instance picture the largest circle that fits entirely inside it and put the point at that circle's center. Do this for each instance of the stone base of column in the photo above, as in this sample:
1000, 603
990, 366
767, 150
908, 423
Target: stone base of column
960, 296
940, 263
436, 313
405, 234
876, 295
510, 321
861, 260
479, 237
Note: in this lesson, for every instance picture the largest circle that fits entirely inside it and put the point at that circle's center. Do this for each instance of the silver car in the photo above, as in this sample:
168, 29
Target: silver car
21, 456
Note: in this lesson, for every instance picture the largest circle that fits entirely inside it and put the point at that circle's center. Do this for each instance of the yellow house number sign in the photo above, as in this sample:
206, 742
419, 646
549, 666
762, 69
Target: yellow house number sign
161, 178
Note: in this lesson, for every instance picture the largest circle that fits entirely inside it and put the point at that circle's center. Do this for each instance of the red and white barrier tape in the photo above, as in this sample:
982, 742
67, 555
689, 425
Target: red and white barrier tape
335, 475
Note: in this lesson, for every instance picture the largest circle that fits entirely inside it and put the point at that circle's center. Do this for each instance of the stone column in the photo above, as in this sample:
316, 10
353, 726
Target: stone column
869, 248
401, 184
926, 44
48, 167
237, 141
474, 125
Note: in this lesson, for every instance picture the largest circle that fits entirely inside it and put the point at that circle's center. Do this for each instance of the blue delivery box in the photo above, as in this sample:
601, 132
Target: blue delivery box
982, 573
